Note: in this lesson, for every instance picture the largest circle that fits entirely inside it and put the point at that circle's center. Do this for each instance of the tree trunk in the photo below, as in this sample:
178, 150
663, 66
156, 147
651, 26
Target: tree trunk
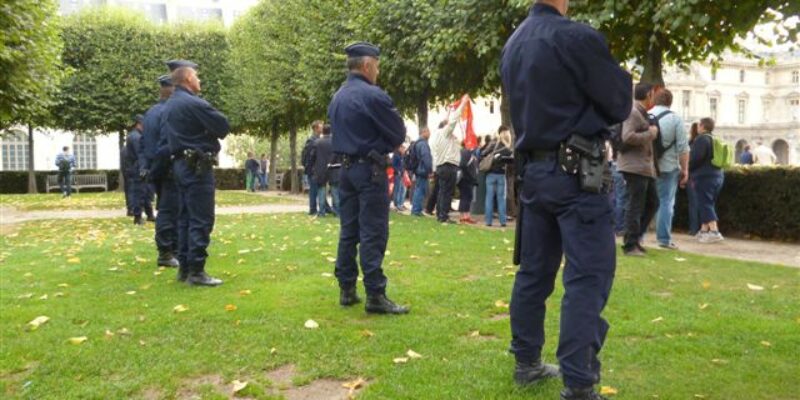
121, 187
31, 172
273, 154
653, 71
422, 112
293, 156
505, 110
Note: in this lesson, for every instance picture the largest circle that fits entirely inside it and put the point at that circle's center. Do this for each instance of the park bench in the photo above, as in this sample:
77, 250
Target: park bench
97, 181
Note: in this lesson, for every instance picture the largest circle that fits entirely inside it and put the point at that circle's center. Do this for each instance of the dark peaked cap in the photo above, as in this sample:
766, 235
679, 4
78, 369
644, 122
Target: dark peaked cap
362, 49
139, 118
165, 80
175, 64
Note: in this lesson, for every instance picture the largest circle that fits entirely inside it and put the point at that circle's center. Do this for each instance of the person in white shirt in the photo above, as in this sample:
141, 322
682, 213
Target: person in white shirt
446, 149
763, 155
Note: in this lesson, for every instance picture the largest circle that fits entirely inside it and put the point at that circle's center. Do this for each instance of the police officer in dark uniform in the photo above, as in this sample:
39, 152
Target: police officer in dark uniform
193, 129
140, 195
565, 90
367, 127
155, 168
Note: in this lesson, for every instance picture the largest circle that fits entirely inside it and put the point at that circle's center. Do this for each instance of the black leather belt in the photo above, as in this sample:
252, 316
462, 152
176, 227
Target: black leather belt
348, 160
540, 155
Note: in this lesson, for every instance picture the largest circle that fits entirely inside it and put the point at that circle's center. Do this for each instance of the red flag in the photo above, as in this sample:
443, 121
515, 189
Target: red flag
470, 139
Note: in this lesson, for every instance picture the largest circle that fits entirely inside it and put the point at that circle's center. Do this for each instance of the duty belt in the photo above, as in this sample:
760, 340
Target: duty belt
539, 155
376, 160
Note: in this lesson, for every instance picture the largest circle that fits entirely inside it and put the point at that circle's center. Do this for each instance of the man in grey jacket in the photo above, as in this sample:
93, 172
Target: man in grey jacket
638, 167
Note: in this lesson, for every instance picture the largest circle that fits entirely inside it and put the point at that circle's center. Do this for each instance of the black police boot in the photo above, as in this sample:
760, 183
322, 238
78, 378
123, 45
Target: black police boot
151, 218
581, 394
137, 220
166, 259
530, 373
202, 279
380, 304
183, 274
348, 297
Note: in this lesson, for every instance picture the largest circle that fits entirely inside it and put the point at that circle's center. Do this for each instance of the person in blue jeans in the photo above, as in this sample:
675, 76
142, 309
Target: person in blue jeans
673, 166
423, 171
708, 180
496, 177
65, 163
399, 191
620, 193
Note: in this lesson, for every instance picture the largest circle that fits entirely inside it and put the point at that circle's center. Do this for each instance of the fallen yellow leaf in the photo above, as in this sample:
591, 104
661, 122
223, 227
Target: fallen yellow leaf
74, 260
131, 292
706, 284
501, 304
37, 322
766, 343
608, 391
367, 333
330, 259
400, 360
245, 292
180, 308
354, 385
77, 339
230, 307
238, 385
311, 324
657, 320
755, 288
703, 306
413, 354
63, 285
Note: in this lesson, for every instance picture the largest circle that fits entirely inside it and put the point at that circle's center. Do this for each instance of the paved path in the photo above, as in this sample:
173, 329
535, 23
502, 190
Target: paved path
745, 250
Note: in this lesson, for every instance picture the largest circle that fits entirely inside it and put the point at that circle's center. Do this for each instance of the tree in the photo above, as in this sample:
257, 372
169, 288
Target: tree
29, 59
654, 33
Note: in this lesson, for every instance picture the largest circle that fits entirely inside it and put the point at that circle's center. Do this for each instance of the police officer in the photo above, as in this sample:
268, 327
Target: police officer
193, 129
139, 191
565, 88
367, 127
154, 167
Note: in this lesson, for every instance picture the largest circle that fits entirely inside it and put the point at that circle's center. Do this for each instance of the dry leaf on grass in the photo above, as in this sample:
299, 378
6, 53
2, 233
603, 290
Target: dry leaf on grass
180, 308
74, 260
400, 360
130, 292
354, 385
657, 320
766, 343
230, 307
37, 322
501, 304
413, 354
706, 284
311, 324
755, 288
245, 292
238, 385
703, 306
367, 333
608, 391
77, 339
330, 259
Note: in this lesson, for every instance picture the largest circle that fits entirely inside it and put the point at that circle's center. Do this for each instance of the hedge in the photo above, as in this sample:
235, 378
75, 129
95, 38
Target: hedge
756, 202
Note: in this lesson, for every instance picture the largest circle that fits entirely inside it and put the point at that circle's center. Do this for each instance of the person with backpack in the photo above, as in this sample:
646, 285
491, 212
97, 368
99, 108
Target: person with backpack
399, 189
638, 166
307, 159
420, 162
65, 163
706, 163
672, 154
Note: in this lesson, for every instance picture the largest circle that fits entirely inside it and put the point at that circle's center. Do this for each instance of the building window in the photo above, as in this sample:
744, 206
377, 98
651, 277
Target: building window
794, 103
795, 76
742, 110
687, 102
741, 76
14, 146
84, 147
767, 106
713, 105
491, 107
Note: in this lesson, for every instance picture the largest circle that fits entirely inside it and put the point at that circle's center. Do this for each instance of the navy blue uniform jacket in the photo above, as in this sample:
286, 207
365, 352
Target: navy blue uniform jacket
562, 80
151, 135
190, 122
364, 118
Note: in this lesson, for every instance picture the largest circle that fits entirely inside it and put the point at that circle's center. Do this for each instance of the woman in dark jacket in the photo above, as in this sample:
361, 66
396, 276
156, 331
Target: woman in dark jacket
694, 215
468, 178
708, 181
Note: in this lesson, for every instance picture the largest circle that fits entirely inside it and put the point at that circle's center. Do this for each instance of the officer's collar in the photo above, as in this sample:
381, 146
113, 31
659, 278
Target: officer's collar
181, 88
541, 8
354, 75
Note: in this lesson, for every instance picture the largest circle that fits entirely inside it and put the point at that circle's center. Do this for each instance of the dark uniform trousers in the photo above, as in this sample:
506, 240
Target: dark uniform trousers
364, 215
196, 215
558, 217
141, 195
167, 218
446, 176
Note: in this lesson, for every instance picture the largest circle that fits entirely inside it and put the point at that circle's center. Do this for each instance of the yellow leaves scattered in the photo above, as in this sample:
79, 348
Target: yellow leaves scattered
231, 307
413, 354
354, 385
77, 340
608, 391
766, 343
244, 251
35, 323
245, 292
410, 355
180, 308
501, 304
367, 333
706, 284
400, 360
140, 259
311, 324
74, 260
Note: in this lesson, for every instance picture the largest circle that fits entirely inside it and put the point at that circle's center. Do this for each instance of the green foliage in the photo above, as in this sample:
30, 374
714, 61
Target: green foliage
117, 55
29, 60
680, 31
755, 202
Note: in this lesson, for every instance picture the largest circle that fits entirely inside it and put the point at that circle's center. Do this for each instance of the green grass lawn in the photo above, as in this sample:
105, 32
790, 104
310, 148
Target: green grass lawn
683, 326
115, 200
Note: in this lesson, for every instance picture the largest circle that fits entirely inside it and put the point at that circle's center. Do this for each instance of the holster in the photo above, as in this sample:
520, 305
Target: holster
200, 161
586, 158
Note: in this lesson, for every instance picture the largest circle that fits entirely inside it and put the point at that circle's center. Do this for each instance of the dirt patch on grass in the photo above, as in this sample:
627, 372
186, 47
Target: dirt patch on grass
192, 388
499, 317
320, 389
152, 394
282, 377
479, 336
470, 278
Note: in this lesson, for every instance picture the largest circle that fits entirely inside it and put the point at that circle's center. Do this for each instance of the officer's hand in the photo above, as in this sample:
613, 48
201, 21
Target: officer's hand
684, 178
143, 173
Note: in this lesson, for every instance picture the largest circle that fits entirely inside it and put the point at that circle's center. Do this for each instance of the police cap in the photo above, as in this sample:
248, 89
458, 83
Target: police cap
175, 64
362, 49
139, 118
165, 80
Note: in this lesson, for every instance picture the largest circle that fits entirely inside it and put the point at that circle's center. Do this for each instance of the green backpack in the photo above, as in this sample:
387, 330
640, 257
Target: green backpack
722, 156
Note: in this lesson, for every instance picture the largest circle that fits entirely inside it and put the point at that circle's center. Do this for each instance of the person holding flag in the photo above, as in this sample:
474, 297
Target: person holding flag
446, 150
